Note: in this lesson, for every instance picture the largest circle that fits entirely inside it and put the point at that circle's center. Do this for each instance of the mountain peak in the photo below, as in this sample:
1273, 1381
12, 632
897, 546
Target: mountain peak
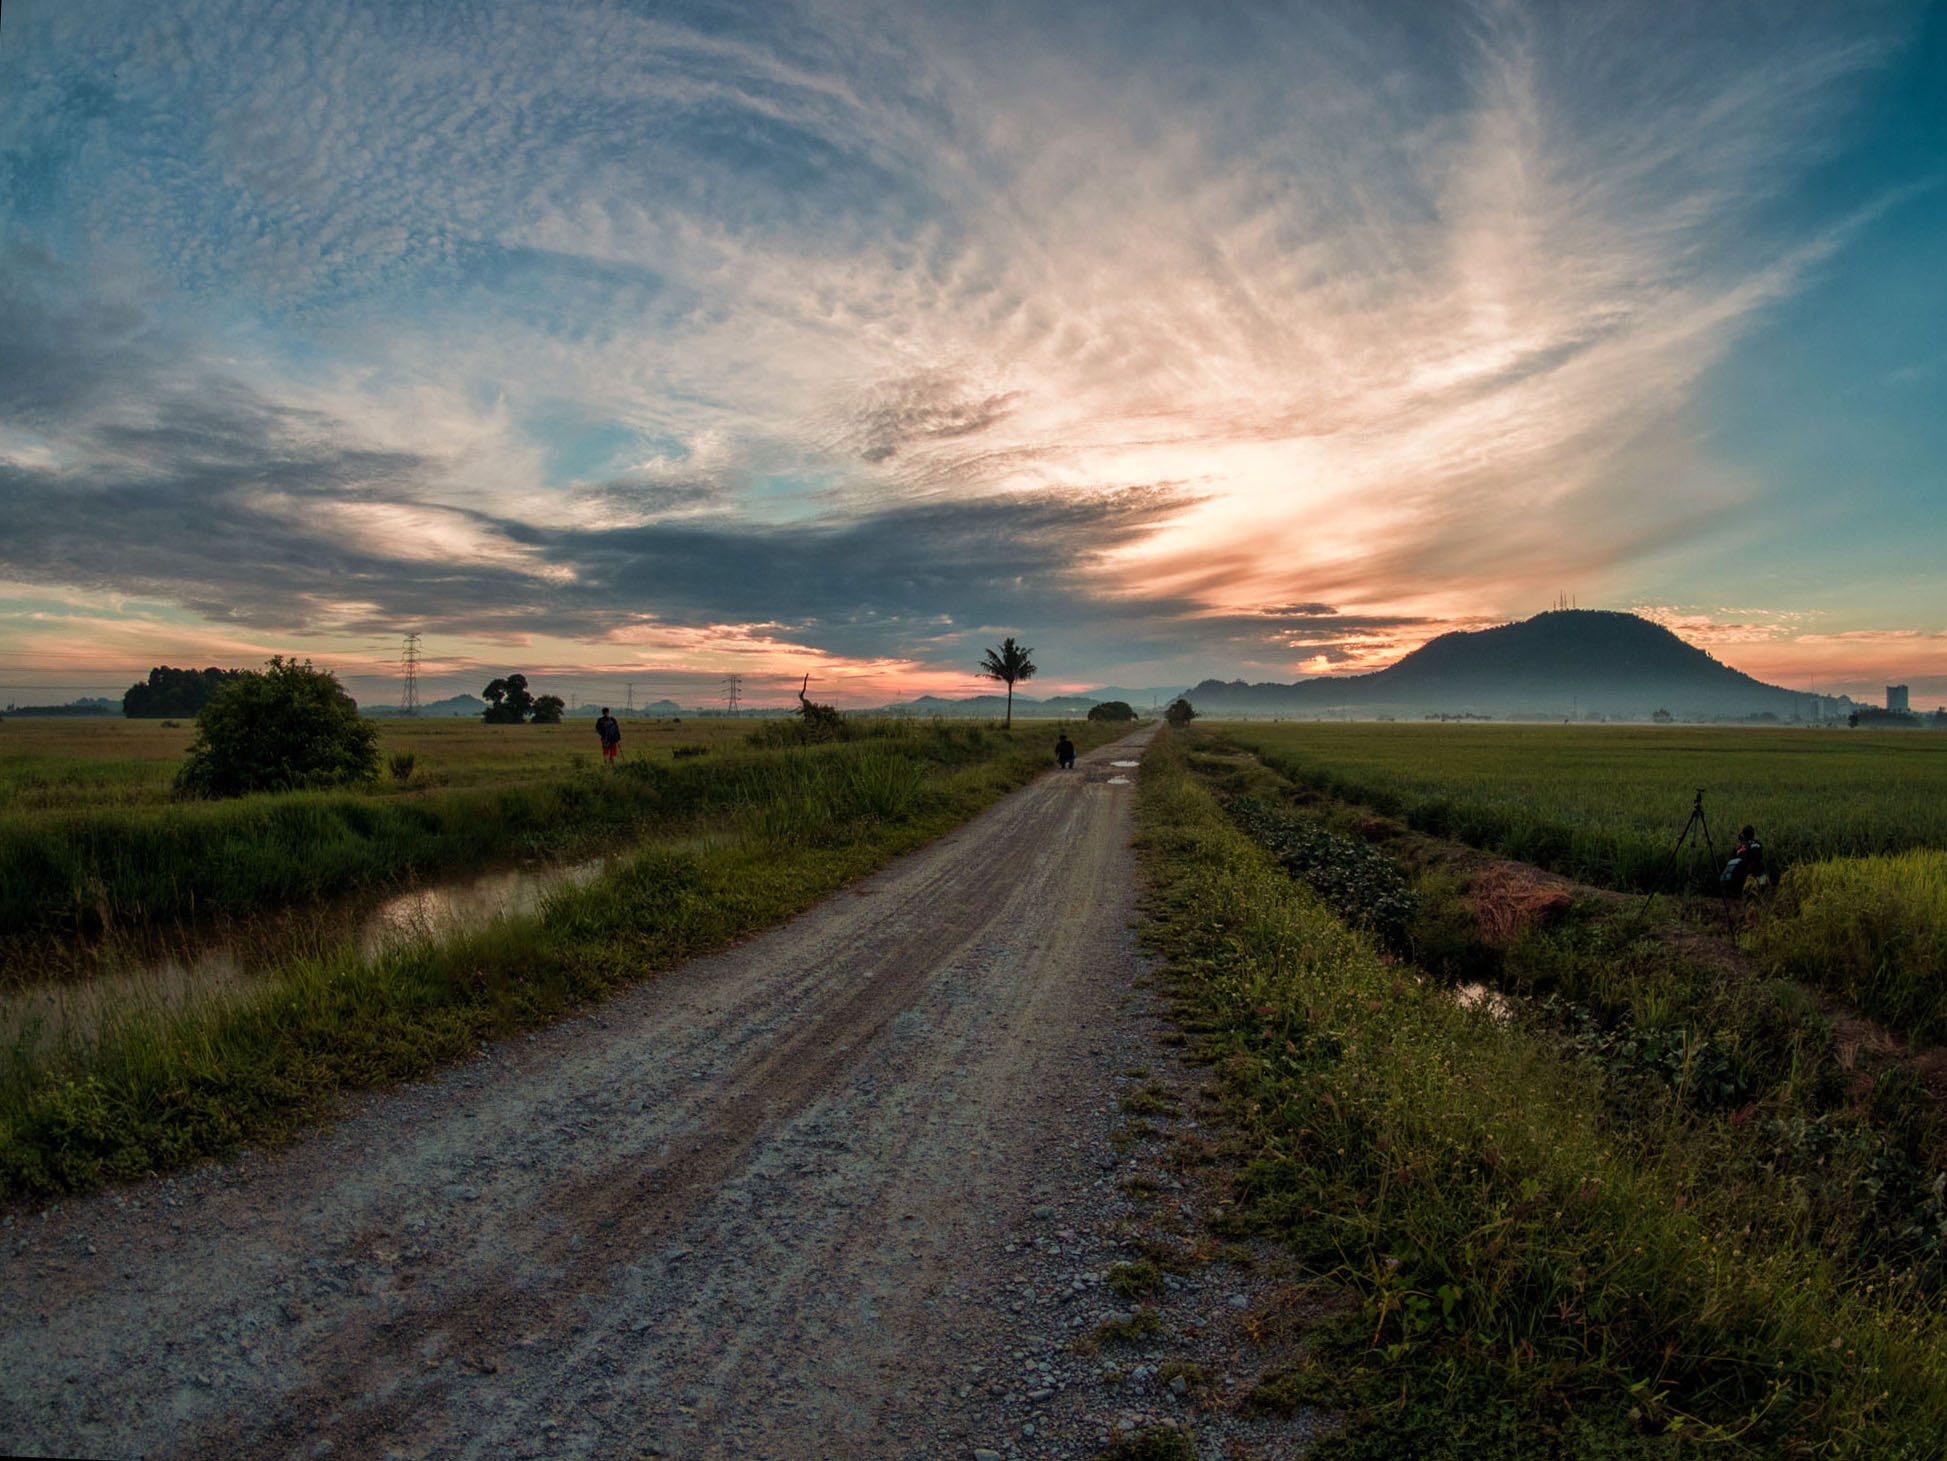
1565, 661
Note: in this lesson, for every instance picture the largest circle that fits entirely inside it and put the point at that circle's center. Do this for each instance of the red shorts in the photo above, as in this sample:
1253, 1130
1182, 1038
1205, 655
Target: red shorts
609, 748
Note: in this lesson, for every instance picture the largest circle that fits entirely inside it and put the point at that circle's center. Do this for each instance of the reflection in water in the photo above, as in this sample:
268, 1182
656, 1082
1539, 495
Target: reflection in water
220, 970
1125, 763
449, 909
1118, 781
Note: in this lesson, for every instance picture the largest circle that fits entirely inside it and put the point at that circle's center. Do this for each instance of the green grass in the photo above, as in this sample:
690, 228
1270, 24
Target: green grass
1604, 804
153, 1087
1873, 930
1552, 1247
74, 764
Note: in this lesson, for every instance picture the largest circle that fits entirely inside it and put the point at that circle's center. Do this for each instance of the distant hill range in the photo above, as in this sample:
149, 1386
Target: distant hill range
453, 705
1576, 663
1026, 707
654, 710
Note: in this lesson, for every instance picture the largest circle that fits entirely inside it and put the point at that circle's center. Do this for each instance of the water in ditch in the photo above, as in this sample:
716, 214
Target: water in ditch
168, 972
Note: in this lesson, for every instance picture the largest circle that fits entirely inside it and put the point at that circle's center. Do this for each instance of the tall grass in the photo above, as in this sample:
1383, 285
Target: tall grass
1605, 803
1871, 929
1539, 1268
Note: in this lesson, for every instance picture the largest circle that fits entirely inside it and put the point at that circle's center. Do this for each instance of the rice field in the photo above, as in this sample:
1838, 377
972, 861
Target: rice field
1605, 804
68, 765
1854, 825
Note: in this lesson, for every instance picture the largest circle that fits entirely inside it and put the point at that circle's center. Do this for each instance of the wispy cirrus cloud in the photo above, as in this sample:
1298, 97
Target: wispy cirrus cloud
884, 326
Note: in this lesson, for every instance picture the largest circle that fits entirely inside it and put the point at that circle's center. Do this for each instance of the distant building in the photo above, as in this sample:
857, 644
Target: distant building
1896, 697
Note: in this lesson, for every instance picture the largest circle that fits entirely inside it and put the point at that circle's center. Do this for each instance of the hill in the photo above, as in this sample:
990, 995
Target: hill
1058, 707
453, 705
1570, 662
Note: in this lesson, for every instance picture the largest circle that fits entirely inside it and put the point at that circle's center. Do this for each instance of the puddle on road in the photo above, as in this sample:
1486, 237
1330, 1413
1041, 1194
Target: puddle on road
1125, 763
1118, 781
189, 971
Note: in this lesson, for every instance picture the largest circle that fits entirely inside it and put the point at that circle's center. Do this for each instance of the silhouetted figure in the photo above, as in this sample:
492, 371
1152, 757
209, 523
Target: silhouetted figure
1747, 863
1065, 753
610, 730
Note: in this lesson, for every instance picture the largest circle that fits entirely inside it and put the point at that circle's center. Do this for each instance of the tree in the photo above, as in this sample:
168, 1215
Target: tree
548, 708
1662, 717
1112, 711
1008, 664
508, 701
819, 722
287, 727
170, 691
1180, 712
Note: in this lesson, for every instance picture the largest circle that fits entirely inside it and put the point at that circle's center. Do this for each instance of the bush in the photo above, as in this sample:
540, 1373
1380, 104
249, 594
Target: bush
287, 727
1180, 713
1113, 711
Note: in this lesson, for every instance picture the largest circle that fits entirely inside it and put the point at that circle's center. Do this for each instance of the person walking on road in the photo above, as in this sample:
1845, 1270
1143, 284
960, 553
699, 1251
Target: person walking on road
610, 730
1065, 753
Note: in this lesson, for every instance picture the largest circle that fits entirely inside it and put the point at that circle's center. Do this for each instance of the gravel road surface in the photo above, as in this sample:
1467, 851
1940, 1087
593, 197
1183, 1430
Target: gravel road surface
765, 1205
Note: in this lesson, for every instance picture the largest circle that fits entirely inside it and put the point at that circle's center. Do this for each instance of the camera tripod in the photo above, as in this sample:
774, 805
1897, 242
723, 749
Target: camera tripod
1697, 822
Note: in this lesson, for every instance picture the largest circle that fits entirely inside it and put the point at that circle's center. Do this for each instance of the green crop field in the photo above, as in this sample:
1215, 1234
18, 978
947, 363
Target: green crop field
1854, 825
1605, 803
67, 765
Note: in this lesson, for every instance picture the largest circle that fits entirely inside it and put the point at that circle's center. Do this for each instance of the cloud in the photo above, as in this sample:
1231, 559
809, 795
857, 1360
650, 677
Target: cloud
260, 514
884, 324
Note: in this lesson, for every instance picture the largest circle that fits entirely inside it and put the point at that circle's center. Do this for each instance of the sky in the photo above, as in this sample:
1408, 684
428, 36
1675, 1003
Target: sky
642, 345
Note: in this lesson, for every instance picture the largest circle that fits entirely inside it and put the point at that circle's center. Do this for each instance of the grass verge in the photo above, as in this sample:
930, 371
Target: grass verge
154, 1091
1548, 1255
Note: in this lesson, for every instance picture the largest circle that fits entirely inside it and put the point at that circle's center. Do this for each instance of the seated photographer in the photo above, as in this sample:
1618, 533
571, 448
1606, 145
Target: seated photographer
1746, 864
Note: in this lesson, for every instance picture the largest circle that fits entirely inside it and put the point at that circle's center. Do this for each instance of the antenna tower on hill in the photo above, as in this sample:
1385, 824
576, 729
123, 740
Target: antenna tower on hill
409, 669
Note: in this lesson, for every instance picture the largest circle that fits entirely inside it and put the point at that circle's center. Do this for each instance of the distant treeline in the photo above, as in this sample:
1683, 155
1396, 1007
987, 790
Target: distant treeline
170, 691
73, 707
1874, 718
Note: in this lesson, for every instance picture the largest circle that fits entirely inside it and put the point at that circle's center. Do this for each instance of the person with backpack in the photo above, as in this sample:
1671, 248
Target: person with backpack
1746, 864
610, 730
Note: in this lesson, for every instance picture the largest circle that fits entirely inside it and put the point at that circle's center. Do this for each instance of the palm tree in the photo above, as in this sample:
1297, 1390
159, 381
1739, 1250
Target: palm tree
1008, 663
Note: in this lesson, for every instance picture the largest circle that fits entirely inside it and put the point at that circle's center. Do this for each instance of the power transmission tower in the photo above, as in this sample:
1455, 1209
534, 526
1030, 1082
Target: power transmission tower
733, 691
409, 667
632, 697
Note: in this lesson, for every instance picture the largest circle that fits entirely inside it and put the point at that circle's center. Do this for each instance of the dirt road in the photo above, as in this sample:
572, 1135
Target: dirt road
757, 1206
